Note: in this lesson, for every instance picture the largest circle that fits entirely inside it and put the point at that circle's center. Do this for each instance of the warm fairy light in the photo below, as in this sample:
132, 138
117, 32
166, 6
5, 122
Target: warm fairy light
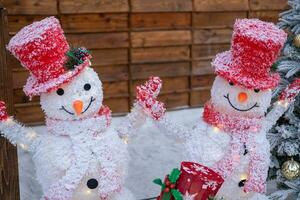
279, 103
31, 135
216, 129
88, 191
126, 140
9, 120
286, 104
244, 176
23, 146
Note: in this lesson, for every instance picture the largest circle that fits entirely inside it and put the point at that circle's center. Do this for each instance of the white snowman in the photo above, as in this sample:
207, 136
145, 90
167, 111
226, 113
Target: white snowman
231, 137
80, 156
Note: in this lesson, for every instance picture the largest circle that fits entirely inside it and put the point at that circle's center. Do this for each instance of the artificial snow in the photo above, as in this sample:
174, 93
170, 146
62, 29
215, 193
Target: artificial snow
152, 154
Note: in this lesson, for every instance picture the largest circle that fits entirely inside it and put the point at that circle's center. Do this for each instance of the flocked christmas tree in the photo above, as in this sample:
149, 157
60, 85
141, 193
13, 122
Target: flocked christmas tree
285, 136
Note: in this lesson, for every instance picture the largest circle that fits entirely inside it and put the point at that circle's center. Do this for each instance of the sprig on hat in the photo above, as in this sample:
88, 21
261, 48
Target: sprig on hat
76, 56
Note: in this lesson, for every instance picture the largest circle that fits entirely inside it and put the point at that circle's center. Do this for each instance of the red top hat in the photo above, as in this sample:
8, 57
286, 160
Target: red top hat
255, 47
41, 48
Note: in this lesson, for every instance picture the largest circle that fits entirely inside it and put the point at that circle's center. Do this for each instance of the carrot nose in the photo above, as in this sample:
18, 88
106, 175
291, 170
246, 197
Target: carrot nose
78, 106
242, 97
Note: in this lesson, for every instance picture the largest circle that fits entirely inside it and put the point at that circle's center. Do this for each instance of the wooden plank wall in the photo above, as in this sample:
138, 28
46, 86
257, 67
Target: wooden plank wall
133, 39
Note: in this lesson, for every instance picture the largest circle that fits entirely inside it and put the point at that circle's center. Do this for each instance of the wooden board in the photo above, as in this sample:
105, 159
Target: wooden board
143, 71
16, 22
117, 105
206, 51
221, 5
161, 5
200, 97
201, 67
212, 36
202, 81
94, 23
216, 19
152, 21
99, 40
92, 6
268, 4
175, 100
270, 16
160, 38
160, 54
112, 72
109, 56
115, 89
31, 7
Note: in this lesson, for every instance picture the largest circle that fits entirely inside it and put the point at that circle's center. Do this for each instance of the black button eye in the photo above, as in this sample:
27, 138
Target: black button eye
60, 91
231, 83
87, 87
92, 183
256, 90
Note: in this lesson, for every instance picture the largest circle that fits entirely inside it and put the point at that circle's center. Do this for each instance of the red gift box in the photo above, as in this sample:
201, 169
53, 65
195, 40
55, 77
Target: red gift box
199, 181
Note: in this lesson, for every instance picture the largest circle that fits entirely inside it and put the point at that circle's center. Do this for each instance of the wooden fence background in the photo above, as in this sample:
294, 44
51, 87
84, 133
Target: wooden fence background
133, 39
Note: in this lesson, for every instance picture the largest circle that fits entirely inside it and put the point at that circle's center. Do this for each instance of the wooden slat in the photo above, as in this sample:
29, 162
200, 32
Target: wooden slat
270, 16
161, 5
216, 19
19, 78
268, 4
9, 181
92, 6
160, 54
16, 22
29, 113
170, 85
31, 7
175, 100
202, 81
112, 72
212, 36
201, 67
117, 105
115, 89
109, 56
200, 97
20, 97
221, 5
160, 38
140, 21
143, 71
99, 40
204, 51
94, 22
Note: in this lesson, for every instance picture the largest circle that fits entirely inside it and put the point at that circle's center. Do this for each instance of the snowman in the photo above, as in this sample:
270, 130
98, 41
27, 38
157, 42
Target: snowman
231, 137
80, 156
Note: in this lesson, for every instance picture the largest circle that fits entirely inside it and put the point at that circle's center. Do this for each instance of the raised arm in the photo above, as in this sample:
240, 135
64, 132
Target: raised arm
280, 107
16, 133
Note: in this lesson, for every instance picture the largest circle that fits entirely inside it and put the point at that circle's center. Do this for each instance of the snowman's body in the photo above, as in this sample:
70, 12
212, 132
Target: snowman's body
207, 145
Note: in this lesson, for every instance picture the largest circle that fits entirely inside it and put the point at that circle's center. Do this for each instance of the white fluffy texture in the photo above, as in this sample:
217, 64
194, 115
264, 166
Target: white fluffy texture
52, 103
222, 88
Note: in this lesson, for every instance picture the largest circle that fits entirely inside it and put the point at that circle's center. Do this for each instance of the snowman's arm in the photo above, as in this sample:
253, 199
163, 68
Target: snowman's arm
133, 121
280, 107
16, 133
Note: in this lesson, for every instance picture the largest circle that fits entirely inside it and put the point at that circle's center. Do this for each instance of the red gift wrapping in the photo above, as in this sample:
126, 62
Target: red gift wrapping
198, 180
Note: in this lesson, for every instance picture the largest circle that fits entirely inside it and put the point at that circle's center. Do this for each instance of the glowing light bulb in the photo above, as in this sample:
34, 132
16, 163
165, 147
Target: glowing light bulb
88, 191
23, 146
216, 129
244, 176
126, 140
9, 121
286, 104
279, 103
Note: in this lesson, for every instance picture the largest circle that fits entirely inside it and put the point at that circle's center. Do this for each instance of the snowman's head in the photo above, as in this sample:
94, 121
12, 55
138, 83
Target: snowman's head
235, 100
80, 98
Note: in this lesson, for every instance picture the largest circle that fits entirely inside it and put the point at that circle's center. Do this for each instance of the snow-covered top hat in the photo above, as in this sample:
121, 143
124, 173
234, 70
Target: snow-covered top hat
42, 48
255, 47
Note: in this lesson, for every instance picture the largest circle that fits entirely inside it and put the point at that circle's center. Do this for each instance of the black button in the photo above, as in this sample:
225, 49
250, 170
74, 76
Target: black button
92, 183
242, 183
245, 150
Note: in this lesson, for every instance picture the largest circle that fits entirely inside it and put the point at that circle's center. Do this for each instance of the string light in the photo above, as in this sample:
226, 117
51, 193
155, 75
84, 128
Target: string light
216, 129
23, 146
9, 121
126, 140
244, 176
88, 191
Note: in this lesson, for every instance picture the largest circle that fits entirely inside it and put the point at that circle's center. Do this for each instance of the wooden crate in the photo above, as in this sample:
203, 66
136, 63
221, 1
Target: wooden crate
133, 39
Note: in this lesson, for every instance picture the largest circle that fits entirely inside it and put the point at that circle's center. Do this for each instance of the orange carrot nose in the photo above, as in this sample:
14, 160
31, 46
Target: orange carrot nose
242, 97
78, 106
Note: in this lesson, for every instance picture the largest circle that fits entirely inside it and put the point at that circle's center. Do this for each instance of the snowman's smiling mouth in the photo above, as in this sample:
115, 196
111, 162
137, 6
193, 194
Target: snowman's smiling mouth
238, 109
71, 113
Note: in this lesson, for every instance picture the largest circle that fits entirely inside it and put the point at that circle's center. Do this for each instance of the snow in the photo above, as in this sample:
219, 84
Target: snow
153, 156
